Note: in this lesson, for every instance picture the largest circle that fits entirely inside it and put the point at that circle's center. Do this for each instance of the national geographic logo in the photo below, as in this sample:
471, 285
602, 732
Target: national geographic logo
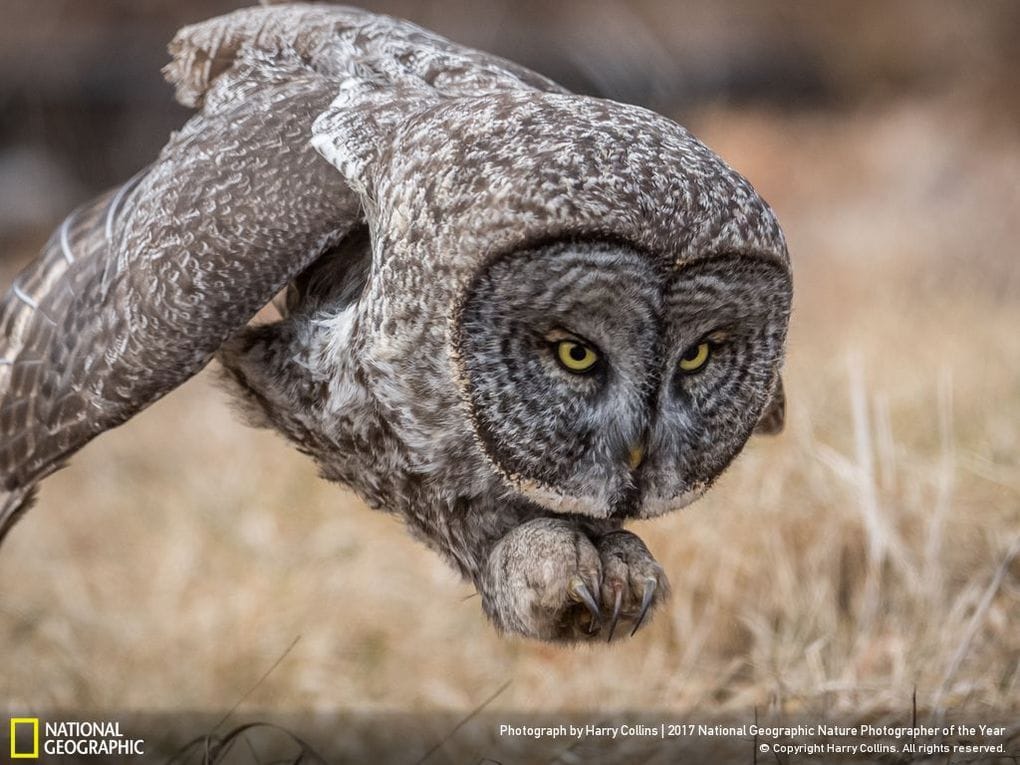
24, 738
69, 737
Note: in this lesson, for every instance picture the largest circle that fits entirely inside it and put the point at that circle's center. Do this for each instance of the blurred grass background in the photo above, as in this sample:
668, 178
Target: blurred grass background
872, 549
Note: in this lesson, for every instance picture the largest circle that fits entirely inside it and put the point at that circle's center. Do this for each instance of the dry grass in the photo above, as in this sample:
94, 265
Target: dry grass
871, 549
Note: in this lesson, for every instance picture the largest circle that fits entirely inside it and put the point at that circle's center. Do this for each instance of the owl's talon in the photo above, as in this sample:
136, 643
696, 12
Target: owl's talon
633, 582
646, 603
579, 591
617, 606
539, 574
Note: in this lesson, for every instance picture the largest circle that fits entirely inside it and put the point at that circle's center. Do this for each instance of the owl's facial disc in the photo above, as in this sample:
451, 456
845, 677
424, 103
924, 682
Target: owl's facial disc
600, 385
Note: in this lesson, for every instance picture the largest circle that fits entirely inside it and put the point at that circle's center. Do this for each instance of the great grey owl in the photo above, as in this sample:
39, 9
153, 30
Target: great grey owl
515, 316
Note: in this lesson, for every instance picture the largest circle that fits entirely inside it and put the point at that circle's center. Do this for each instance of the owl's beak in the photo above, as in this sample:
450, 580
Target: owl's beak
636, 456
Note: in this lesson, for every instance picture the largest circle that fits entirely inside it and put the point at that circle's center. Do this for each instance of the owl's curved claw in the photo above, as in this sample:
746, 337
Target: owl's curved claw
646, 603
617, 605
579, 591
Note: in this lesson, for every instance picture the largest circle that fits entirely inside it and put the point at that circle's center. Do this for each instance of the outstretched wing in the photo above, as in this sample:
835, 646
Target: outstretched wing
135, 291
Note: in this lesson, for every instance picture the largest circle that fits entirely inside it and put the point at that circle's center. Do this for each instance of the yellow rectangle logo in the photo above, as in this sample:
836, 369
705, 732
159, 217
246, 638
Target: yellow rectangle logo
24, 722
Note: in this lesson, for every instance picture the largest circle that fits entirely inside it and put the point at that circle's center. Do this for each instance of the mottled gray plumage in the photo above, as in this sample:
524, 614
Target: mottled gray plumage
447, 223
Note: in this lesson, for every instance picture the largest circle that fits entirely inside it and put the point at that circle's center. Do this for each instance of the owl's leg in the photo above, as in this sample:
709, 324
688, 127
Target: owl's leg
542, 579
633, 582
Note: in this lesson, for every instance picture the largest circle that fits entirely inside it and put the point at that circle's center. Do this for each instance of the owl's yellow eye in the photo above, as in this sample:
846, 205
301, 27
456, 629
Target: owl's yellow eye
696, 357
575, 356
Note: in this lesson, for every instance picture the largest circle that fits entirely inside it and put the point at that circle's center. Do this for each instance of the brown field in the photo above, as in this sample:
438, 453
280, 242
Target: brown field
871, 550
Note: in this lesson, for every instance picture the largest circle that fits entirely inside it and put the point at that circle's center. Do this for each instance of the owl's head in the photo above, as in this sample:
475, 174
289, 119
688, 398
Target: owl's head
598, 295
601, 384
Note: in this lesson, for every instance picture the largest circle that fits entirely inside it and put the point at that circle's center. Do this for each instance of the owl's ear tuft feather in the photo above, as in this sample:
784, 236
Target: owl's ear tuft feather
773, 418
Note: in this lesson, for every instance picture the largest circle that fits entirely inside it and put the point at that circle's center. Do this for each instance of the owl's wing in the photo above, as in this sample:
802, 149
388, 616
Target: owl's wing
135, 291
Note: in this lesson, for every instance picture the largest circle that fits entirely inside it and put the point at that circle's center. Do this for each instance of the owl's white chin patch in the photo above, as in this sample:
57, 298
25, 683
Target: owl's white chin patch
652, 507
540, 494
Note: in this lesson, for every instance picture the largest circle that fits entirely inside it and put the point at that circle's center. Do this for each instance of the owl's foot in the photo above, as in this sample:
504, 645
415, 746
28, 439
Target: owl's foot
547, 579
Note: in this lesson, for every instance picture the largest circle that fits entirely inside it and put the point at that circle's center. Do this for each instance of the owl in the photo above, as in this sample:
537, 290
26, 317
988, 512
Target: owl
513, 316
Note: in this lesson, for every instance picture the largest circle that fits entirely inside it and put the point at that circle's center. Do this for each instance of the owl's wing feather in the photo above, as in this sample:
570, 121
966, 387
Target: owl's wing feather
30, 328
137, 290
336, 42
